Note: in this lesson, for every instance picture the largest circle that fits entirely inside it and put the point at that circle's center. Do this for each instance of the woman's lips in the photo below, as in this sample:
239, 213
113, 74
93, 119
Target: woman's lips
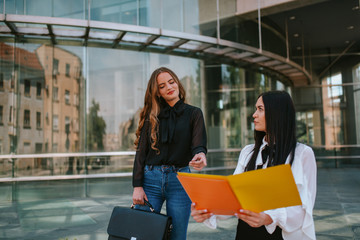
171, 92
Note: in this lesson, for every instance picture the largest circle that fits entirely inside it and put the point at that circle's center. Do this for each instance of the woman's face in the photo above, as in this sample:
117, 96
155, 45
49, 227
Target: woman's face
259, 116
168, 88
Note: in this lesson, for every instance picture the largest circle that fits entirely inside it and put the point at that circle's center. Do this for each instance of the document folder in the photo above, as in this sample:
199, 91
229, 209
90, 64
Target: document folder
257, 190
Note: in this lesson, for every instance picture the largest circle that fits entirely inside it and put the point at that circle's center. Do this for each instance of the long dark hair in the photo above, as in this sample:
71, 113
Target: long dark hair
152, 104
280, 129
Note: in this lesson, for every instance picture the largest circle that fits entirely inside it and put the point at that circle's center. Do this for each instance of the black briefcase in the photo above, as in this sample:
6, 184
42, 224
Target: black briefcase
134, 224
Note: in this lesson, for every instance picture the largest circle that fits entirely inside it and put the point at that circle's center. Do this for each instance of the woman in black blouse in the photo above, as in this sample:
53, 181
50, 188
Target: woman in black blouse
170, 137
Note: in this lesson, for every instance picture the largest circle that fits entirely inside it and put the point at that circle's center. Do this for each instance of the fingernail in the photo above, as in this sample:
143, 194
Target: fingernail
205, 210
193, 204
241, 210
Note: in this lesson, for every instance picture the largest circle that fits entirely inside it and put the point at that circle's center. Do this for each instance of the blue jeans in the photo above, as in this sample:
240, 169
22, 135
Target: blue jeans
160, 184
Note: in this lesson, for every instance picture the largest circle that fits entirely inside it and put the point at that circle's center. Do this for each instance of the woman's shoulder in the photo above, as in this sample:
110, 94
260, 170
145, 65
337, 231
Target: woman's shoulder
192, 109
248, 148
301, 147
304, 151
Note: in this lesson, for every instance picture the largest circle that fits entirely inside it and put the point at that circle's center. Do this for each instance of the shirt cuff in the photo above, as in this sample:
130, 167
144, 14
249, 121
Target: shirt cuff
211, 222
199, 149
279, 218
137, 183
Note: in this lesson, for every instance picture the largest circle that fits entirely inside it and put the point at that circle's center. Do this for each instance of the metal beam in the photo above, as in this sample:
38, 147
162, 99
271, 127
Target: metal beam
149, 41
51, 33
336, 59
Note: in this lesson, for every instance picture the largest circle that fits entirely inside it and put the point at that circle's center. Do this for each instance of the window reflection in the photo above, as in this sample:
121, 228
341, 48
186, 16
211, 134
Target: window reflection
55, 8
1, 115
309, 127
1, 81
356, 95
63, 99
117, 11
333, 111
335, 89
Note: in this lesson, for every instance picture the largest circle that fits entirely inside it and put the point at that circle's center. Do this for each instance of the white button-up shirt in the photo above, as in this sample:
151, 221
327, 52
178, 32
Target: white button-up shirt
296, 222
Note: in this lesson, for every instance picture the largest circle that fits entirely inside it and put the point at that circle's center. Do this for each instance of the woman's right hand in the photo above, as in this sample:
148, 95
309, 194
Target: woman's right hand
139, 196
199, 215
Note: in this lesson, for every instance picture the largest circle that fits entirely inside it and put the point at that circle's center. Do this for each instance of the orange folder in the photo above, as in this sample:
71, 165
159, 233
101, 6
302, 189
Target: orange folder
258, 190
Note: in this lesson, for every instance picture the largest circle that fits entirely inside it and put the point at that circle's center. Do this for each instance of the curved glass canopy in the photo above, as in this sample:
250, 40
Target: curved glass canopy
77, 32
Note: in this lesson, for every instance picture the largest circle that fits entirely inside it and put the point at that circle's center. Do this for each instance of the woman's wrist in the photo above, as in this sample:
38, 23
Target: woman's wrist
267, 219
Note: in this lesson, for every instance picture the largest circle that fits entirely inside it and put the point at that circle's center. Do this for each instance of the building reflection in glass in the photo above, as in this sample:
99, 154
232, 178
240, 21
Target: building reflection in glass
68, 99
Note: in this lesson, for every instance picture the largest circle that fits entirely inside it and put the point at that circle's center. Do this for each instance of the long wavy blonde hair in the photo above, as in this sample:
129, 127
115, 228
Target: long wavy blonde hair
151, 107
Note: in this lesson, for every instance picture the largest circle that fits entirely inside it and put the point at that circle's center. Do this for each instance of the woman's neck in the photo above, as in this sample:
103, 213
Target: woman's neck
173, 102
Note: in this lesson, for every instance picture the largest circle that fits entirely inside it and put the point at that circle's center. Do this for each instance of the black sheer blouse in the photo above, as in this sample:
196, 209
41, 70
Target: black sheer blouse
181, 135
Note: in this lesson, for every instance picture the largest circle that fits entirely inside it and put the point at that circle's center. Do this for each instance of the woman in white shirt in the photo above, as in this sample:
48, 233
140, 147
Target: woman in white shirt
275, 144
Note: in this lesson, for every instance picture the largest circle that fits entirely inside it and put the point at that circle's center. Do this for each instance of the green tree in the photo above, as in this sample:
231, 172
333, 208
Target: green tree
96, 127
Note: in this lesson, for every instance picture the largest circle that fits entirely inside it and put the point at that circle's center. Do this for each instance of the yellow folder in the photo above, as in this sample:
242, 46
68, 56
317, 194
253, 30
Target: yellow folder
258, 190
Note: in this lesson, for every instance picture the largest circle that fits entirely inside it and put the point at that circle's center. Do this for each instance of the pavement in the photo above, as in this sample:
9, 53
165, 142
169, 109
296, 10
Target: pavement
70, 216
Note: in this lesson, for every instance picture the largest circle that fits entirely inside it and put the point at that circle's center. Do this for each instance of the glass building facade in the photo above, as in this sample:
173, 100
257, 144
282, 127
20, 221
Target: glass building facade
73, 75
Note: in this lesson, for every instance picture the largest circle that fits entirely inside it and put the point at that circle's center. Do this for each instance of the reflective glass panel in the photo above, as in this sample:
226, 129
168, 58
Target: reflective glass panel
115, 11
56, 8
356, 95
208, 18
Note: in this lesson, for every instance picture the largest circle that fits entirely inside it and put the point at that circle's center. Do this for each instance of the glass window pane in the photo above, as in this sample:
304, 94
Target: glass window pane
149, 15
57, 8
1, 115
356, 96
207, 18
115, 11
70, 9
173, 15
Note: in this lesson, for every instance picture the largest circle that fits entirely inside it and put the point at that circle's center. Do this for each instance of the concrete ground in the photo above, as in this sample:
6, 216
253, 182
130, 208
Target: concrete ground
336, 213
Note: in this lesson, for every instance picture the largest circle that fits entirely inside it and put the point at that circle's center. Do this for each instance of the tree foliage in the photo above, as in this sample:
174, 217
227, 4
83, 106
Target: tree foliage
96, 127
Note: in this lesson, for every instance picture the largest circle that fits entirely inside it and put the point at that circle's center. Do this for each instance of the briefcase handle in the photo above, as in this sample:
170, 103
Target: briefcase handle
146, 203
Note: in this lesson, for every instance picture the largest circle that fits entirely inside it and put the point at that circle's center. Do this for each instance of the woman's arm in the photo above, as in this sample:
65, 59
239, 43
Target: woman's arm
139, 164
198, 140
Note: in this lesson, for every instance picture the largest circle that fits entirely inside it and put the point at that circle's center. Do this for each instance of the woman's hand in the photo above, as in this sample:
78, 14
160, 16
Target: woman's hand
254, 219
139, 195
198, 161
199, 215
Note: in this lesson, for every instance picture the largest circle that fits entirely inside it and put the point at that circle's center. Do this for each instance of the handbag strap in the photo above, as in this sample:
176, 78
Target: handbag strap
146, 203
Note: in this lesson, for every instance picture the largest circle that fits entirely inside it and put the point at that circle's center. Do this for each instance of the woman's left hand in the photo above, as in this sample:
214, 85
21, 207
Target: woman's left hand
254, 219
198, 161
199, 215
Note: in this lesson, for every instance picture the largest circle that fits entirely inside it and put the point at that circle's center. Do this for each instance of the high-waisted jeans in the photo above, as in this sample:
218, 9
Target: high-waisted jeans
160, 184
